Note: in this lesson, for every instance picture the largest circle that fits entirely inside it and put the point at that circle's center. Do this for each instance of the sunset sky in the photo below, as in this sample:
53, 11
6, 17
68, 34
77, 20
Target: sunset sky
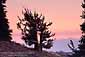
65, 15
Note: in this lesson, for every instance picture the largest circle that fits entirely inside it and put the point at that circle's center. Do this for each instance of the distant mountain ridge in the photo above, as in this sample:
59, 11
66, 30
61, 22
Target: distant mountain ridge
61, 45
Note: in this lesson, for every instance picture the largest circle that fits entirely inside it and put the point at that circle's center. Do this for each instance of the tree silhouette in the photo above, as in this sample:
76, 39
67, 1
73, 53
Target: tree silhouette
75, 51
32, 26
81, 47
4, 28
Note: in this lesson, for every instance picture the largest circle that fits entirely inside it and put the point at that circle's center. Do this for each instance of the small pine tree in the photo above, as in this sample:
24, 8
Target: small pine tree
4, 28
75, 51
33, 23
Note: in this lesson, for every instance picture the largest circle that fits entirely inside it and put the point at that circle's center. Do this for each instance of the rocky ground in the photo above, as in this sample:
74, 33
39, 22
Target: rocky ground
12, 49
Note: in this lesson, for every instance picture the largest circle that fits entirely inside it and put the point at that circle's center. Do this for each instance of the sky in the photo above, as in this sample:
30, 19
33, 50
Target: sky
65, 15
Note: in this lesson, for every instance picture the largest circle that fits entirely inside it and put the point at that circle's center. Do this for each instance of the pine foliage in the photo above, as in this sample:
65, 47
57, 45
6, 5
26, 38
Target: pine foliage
5, 32
30, 25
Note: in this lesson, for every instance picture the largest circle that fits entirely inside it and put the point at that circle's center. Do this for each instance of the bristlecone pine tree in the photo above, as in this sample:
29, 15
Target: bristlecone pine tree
33, 27
4, 28
82, 41
75, 51
81, 47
